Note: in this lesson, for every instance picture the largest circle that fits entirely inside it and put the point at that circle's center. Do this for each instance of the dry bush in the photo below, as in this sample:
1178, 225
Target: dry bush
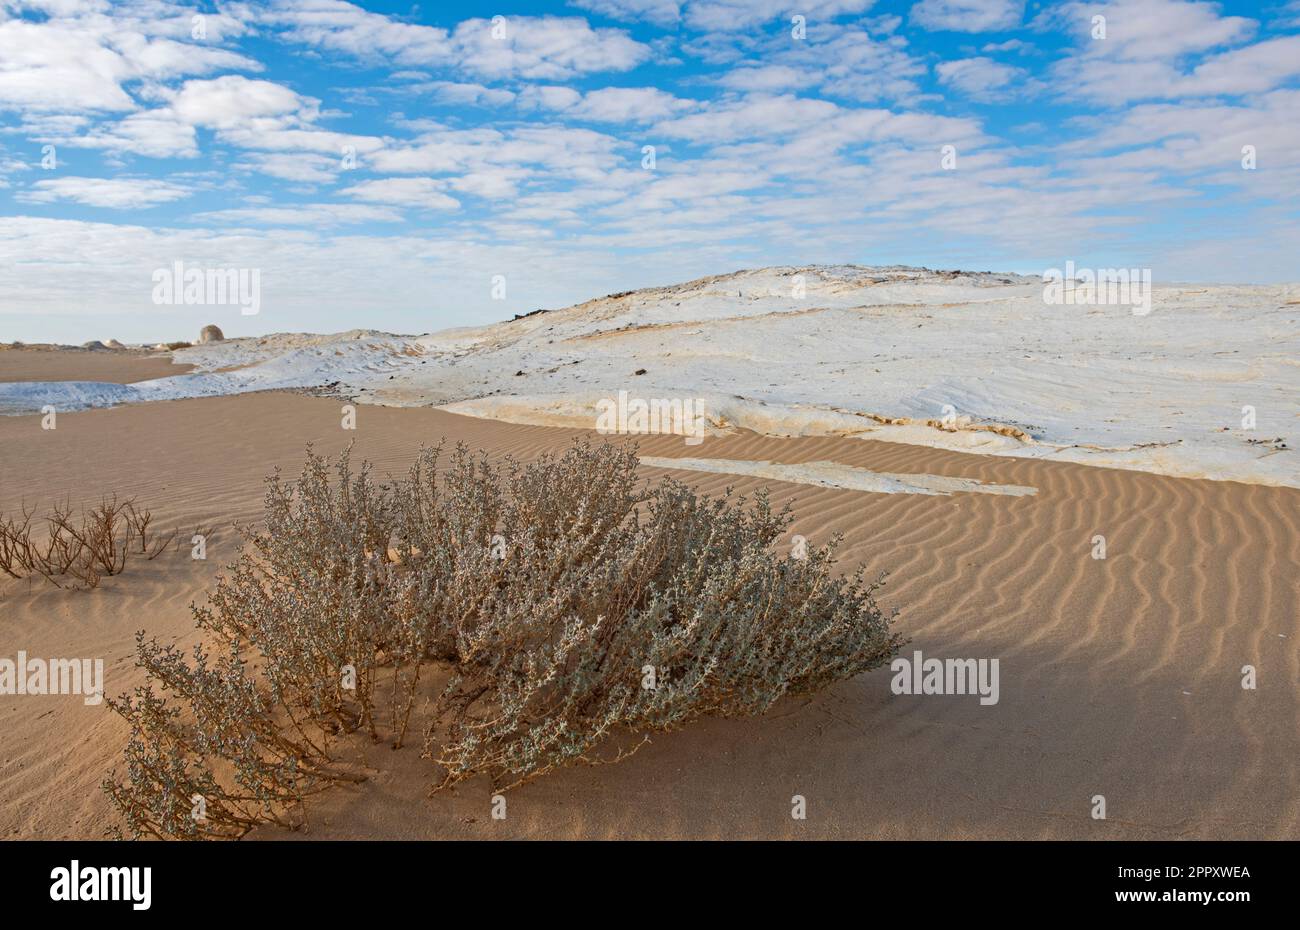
18, 555
138, 520
537, 595
74, 547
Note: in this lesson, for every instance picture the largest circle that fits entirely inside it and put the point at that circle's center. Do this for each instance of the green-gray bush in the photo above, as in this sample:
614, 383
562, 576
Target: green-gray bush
536, 594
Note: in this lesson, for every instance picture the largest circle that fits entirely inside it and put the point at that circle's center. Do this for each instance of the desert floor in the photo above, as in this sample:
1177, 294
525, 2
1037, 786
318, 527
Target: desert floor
1120, 677
114, 367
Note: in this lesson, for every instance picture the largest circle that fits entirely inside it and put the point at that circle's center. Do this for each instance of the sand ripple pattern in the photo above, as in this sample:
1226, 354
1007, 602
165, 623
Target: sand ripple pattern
1120, 676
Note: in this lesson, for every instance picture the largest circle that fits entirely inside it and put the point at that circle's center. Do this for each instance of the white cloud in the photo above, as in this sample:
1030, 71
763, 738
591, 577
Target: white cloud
1010, 45
979, 78
491, 183
543, 48
629, 104
1190, 140
549, 97
727, 15
866, 68
49, 66
847, 62
443, 152
968, 15
757, 116
59, 7
270, 135
247, 113
721, 15
659, 12
424, 193
769, 78
303, 167
311, 214
562, 152
1250, 70
464, 94
81, 60
535, 48
1150, 30
347, 28
606, 105
151, 133
1168, 49
232, 100
115, 193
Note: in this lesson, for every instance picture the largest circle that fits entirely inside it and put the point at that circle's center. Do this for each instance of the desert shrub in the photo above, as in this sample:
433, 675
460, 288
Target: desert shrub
75, 548
170, 792
549, 613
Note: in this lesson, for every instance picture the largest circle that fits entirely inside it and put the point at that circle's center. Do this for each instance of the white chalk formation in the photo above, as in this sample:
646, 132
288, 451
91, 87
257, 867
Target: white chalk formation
1203, 385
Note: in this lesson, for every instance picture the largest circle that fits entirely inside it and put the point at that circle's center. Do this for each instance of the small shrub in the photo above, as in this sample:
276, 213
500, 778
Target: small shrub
536, 595
81, 549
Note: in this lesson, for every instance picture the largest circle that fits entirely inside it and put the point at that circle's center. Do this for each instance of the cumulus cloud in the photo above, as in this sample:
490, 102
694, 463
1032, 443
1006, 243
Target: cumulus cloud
968, 15
492, 182
1150, 30
304, 167
460, 93
543, 48
846, 62
769, 78
726, 15
346, 28
152, 133
422, 193
314, 215
114, 193
720, 15
660, 12
563, 152
231, 101
1167, 49
529, 47
606, 105
80, 59
979, 78
756, 116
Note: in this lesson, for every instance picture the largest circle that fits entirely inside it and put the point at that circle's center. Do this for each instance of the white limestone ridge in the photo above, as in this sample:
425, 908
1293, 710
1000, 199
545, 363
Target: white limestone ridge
973, 361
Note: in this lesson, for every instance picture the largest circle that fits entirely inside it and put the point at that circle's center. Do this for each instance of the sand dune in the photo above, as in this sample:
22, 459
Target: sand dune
1119, 677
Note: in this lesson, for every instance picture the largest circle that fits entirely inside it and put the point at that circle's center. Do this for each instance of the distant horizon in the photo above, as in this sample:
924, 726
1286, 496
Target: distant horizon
237, 327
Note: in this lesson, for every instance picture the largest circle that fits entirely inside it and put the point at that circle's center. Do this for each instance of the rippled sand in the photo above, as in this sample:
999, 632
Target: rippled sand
1119, 677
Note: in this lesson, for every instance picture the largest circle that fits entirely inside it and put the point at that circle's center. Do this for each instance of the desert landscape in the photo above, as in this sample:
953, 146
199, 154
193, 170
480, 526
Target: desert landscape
857, 439
1120, 676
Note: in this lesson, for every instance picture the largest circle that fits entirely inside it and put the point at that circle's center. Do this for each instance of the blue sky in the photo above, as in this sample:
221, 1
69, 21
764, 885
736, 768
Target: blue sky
381, 164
